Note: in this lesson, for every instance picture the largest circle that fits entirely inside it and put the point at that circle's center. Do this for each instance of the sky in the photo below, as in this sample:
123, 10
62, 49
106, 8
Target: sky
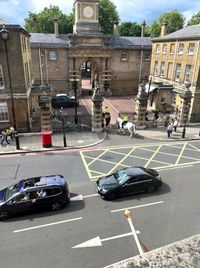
15, 11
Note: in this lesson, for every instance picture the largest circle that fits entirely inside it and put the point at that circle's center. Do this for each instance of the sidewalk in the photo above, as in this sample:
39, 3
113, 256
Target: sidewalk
32, 142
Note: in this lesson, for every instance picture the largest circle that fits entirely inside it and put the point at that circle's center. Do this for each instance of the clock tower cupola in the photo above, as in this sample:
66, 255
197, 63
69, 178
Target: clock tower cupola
86, 17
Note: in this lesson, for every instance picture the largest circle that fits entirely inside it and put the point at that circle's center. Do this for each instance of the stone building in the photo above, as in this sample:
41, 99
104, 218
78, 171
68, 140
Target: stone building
19, 63
119, 62
175, 64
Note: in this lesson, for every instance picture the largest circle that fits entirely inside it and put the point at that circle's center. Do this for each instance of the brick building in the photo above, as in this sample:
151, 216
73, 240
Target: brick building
19, 60
175, 61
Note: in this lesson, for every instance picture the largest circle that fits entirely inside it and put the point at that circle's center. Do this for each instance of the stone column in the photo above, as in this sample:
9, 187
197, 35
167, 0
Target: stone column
141, 106
44, 103
184, 111
97, 114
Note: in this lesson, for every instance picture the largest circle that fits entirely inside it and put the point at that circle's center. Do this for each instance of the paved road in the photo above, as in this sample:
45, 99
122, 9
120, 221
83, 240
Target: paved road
164, 217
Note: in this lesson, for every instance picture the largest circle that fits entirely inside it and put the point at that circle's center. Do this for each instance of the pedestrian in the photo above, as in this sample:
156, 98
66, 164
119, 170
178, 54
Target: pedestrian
106, 116
169, 130
124, 120
8, 133
175, 124
4, 137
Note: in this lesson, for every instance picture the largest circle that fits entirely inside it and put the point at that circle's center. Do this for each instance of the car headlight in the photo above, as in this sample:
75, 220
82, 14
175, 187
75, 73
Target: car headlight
104, 191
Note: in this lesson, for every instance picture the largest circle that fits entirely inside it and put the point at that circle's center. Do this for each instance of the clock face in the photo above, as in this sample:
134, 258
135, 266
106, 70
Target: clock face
87, 12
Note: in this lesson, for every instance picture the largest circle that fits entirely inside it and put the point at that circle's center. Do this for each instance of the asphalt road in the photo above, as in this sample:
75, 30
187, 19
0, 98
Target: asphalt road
92, 232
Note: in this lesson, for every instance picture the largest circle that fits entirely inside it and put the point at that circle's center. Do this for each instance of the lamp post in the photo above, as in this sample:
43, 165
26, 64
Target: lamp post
63, 126
187, 85
75, 95
4, 35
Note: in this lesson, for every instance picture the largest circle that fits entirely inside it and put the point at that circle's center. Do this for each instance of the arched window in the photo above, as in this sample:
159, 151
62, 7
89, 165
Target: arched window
1, 78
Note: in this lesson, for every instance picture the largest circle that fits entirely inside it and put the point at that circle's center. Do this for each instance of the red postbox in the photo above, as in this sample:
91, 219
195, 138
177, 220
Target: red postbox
46, 139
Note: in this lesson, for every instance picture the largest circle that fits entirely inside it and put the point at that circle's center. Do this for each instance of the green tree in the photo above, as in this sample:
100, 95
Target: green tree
195, 19
153, 29
174, 19
45, 21
130, 29
108, 16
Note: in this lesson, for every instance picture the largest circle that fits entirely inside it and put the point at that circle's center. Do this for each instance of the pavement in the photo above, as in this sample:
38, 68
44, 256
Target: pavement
32, 142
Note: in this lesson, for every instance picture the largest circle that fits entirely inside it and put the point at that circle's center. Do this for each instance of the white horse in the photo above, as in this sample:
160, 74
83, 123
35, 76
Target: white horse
129, 126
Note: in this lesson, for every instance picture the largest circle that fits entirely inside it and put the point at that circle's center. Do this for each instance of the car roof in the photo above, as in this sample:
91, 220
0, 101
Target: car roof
56, 180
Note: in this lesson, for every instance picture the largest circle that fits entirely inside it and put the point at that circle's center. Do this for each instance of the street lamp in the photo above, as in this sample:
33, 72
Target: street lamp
4, 35
187, 85
63, 127
75, 95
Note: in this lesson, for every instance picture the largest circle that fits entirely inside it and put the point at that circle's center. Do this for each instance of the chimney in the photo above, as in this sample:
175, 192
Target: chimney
163, 29
116, 29
143, 29
56, 27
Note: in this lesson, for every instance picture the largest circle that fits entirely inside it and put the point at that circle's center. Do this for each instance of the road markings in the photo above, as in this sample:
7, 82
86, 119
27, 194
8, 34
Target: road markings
76, 198
181, 153
176, 167
97, 241
151, 158
139, 206
46, 225
90, 195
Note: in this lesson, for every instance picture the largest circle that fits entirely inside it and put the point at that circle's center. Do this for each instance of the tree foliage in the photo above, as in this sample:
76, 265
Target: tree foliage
130, 29
195, 19
153, 29
174, 19
108, 16
44, 21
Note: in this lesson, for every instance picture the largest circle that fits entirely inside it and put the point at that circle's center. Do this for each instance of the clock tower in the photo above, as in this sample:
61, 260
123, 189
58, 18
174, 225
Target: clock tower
87, 17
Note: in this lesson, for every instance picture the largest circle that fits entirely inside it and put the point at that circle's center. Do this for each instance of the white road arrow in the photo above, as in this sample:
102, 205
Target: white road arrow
97, 241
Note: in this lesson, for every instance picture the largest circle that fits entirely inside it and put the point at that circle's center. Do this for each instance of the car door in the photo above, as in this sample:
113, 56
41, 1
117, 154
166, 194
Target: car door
142, 183
19, 204
129, 187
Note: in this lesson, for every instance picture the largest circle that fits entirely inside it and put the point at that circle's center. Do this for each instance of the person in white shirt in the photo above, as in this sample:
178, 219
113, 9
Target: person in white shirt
175, 124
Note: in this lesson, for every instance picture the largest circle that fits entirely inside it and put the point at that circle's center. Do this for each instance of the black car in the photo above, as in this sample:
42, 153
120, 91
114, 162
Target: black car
63, 100
34, 193
128, 181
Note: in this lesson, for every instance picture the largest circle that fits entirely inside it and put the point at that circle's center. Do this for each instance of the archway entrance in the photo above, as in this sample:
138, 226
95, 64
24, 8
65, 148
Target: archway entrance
88, 71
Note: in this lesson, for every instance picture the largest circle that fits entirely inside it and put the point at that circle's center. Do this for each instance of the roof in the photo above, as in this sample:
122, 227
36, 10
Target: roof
134, 171
49, 40
189, 32
131, 42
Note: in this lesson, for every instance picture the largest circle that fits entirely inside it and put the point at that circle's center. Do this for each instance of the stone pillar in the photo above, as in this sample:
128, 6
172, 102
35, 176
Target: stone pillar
163, 29
97, 114
141, 106
183, 114
44, 103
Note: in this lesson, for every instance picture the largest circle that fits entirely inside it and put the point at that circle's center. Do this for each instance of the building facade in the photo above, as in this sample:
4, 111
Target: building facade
175, 68
18, 60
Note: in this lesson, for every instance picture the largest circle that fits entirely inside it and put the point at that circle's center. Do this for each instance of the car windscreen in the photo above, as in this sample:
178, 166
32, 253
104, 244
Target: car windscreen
11, 191
121, 176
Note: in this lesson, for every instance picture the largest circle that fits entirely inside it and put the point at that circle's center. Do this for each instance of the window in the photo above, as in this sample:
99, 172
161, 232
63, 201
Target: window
158, 48
1, 78
169, 70
164, 49
180, 48
187, 72
178, 72
155, 68
162, 69
147, 57
172, 48
191, 49
52, 55
124, 56
3, 112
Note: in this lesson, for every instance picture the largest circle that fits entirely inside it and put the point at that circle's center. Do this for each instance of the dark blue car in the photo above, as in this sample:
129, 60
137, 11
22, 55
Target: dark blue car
34, 193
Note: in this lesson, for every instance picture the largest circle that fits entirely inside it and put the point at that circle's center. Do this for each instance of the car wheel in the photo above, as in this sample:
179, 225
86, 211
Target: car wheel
56, 206
4, 215
151, 189
111, 196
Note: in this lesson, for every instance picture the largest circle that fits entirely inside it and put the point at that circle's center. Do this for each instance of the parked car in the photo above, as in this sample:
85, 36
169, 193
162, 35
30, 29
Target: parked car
128, 181
63, 100
34, 193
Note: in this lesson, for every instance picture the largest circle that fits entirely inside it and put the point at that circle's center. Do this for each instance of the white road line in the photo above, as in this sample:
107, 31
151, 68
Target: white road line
140, 206
46, 225
175, 167
90, 195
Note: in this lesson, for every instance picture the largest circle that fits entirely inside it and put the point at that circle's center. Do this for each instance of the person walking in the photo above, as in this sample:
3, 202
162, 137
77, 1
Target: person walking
4, 137
106, 116
124, 120
175, 124
8, 133
169, 130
